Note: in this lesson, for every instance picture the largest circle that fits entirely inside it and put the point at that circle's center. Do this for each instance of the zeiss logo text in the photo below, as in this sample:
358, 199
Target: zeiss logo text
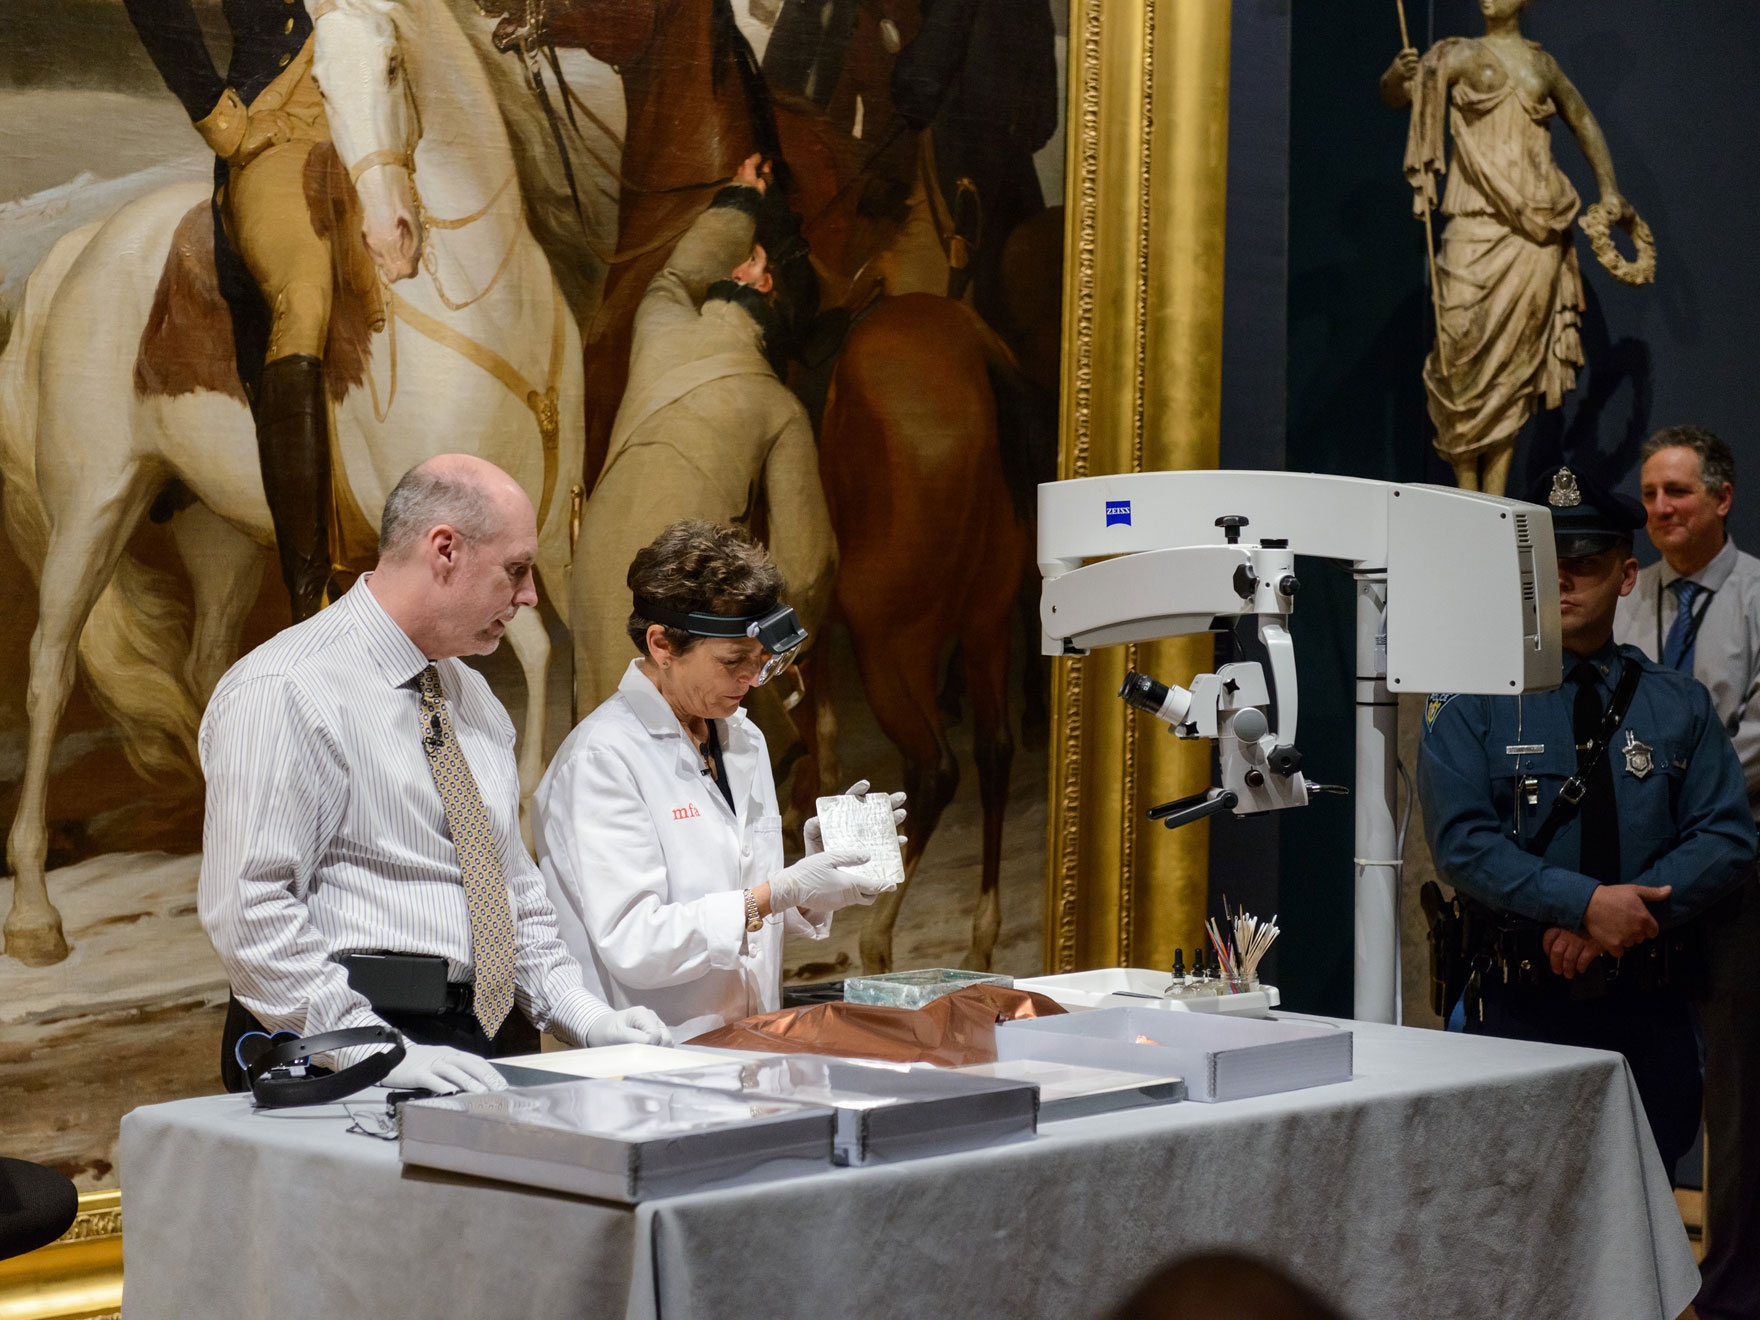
1118, 513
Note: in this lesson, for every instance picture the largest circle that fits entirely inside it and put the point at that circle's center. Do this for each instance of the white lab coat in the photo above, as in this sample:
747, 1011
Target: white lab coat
646, 864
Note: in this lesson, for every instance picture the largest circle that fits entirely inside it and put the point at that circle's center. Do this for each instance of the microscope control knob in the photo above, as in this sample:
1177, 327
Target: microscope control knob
1250, 725
1231, 525
1245, 581
1287, 585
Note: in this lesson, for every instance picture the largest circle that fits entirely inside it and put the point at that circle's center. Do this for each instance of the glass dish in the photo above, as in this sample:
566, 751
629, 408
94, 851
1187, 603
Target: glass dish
914, 989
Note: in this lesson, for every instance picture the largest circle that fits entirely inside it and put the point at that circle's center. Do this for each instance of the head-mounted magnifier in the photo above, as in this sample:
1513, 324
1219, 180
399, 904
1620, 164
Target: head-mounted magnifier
778, 631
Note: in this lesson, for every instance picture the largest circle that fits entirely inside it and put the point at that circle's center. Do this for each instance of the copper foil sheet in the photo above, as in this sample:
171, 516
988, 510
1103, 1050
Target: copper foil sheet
953, 1031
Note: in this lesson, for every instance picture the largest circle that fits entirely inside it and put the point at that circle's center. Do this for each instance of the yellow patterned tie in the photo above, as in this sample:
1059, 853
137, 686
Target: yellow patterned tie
485, 886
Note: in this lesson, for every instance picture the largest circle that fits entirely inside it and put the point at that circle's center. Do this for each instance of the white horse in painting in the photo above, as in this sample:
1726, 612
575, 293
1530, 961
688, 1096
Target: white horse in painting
478, 355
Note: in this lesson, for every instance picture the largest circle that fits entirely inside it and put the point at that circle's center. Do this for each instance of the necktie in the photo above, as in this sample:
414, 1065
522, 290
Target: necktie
1683, 638
1598, 817
485, 886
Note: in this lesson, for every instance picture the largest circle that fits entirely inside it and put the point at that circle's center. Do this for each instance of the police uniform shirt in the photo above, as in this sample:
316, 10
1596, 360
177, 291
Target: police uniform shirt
1490, 768
1726, 653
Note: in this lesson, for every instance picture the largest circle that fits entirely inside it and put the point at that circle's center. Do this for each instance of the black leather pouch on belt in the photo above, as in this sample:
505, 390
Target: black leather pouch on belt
399, 982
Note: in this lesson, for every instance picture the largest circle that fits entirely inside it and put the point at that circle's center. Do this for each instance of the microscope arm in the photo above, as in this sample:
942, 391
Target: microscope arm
1169, 592
1283, 677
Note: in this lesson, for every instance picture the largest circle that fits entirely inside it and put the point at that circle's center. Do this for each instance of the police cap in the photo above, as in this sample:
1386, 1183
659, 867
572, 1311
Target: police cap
1586, 517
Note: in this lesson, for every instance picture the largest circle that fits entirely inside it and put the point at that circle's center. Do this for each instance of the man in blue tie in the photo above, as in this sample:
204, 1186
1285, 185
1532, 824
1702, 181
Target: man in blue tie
1698, 611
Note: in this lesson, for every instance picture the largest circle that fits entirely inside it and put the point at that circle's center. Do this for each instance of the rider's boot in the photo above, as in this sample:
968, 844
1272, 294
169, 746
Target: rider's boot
293, 445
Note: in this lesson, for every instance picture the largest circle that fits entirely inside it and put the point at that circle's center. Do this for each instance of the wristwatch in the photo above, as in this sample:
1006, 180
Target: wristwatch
753, 921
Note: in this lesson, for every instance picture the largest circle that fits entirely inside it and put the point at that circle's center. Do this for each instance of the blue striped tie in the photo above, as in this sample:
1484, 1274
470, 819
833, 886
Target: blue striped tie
1683, 639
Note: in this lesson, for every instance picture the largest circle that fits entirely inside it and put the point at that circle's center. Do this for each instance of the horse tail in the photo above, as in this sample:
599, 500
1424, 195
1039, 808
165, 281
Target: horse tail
133, 649
27, 521
137, 636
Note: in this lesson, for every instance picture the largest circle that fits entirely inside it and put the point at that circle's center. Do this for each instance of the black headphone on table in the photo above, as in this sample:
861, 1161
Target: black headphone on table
275, 1087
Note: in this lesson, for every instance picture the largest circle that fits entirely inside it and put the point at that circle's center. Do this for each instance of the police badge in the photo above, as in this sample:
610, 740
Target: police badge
1565, 493
1638, 762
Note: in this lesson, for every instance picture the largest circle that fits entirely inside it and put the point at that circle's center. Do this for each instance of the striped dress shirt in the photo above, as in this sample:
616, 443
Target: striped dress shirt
324, 834
1726, 656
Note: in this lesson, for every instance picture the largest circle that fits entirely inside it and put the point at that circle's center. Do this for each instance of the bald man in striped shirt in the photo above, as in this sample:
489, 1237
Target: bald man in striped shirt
362, 863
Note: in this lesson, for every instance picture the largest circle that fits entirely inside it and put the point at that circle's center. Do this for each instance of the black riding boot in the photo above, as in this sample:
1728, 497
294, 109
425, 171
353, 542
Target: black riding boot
293, 445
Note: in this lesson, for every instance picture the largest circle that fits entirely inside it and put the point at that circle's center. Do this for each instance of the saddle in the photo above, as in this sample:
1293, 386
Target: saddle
187, 342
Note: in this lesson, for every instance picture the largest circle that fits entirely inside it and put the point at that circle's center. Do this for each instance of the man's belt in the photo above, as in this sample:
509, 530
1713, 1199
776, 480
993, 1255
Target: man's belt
1500, 953
407, 983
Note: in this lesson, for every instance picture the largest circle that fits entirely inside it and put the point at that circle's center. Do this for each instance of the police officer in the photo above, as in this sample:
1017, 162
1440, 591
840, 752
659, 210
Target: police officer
1585, 828
262, 121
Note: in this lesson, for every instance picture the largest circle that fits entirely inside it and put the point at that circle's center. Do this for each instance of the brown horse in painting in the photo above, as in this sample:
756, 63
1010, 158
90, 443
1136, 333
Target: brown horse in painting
930, 547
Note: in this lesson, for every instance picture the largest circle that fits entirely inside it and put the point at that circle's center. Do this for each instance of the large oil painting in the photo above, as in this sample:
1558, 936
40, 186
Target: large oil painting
258, 260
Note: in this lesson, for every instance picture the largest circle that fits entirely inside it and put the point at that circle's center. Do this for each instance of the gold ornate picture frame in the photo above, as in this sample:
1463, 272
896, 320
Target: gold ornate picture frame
1146, 190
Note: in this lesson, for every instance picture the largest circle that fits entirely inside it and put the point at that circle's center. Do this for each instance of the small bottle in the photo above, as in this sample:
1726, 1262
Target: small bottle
1203, 983
1177, 986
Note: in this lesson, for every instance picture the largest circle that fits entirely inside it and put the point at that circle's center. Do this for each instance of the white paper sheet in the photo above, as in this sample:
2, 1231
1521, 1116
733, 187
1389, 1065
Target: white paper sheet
612, 1060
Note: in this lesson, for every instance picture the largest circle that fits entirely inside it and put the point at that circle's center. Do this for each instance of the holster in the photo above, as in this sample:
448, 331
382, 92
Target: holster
1504, 953
1447, 963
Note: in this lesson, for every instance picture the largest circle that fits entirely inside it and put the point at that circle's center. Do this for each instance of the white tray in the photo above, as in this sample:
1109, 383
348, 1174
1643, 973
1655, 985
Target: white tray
885, 1111
626, 1140
1083, 990
1221, 1058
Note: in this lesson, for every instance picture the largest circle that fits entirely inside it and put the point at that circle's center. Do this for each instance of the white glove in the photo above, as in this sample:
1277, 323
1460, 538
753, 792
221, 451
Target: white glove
629, 1026
820, 882
814, 838
442, 1069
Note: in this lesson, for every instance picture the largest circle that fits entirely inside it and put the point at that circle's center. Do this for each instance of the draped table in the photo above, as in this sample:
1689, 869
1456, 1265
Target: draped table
1451, 1176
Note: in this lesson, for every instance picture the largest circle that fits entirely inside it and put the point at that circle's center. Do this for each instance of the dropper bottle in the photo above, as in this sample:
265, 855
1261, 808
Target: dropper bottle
1177, 988
1202, 983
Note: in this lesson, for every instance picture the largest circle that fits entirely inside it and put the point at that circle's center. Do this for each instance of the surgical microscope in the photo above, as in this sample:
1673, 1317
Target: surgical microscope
1456, 592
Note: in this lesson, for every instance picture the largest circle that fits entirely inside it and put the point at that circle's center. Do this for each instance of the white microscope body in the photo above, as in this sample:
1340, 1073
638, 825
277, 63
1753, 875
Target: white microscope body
1457, 592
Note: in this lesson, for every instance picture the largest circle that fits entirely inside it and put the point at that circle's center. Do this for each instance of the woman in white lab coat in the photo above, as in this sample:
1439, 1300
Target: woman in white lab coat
657, 826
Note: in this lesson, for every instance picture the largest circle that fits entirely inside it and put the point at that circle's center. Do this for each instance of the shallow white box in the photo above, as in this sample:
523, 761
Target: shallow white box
1221, 1058
1068, 1090
885, 1111
1082, 990
626, 1140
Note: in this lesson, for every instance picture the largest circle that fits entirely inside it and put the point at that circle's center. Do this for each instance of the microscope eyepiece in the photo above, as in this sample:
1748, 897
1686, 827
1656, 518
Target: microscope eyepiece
1143, 693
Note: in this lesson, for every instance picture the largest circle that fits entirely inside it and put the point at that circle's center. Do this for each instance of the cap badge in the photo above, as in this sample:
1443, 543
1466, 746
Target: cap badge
1565, 494
1638, 756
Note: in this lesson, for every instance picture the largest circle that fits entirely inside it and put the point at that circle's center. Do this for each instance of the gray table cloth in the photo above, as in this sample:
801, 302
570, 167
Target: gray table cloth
1452, 1176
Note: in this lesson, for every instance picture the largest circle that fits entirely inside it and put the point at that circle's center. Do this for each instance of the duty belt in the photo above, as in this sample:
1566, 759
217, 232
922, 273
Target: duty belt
1479, 953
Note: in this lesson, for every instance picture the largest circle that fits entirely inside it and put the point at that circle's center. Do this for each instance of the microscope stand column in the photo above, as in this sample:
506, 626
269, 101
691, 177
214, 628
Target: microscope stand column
1377, 857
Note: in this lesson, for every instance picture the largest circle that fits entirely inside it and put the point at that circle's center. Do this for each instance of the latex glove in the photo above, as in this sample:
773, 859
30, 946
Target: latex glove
820, 882
814, 838
629, 1026
442, 1069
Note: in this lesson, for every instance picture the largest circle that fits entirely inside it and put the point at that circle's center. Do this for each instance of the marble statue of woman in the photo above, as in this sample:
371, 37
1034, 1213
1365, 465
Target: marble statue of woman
1508, 293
